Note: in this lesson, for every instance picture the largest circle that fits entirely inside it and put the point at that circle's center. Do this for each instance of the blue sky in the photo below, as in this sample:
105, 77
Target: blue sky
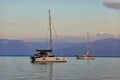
28, 19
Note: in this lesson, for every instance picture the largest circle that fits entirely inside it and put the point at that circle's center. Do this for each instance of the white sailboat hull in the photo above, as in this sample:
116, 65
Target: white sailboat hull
50, 59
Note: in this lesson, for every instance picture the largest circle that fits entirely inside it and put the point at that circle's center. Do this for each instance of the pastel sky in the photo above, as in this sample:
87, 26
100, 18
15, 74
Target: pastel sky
28, 19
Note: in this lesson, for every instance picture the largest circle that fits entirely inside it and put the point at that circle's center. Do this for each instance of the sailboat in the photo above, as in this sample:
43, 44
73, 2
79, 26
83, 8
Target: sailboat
87, 55
46, 56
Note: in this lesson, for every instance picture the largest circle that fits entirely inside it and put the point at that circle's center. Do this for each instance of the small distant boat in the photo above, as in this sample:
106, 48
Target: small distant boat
87, 55
46, 56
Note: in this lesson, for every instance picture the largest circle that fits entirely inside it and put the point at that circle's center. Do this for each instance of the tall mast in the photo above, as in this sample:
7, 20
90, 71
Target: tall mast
88, 45
50, 31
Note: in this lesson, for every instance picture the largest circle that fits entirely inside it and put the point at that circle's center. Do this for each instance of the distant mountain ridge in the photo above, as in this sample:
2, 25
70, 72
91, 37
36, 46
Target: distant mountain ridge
103, 47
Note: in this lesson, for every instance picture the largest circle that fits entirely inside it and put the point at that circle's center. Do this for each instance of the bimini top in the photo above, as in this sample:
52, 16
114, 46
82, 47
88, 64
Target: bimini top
44, 50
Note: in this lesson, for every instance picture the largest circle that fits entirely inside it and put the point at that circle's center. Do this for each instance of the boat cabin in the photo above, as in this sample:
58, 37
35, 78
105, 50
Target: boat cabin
43, 53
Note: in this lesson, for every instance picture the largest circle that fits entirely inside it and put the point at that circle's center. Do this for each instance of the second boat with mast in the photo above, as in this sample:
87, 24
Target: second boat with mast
87, 55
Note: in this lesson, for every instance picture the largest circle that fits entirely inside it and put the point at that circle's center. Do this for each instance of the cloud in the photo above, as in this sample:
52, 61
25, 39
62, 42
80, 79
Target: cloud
7, 22
11, 23
103, 35
1, 21
111, 4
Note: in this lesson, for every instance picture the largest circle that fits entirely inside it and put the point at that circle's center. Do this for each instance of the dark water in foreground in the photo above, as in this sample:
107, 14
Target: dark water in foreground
20, 68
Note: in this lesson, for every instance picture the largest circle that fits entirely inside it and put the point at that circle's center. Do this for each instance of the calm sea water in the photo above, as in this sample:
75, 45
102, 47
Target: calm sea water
20, 68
